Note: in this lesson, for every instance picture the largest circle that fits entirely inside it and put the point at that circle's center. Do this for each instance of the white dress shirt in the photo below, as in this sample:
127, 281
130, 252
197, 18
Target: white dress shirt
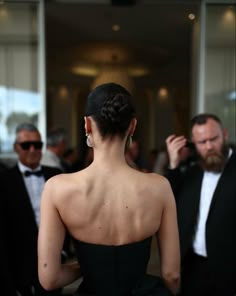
34, 185
209, 183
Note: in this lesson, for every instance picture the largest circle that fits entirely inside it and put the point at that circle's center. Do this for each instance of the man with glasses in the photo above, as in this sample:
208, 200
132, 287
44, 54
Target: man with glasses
21, 188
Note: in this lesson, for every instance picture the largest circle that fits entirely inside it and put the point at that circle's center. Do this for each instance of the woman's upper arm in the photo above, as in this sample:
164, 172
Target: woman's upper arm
51, 236
168, 235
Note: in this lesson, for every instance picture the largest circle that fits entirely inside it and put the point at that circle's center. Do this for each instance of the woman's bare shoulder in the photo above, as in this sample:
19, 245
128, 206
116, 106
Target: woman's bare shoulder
66, 177
154, 179
58, 179
64, 183
157, 185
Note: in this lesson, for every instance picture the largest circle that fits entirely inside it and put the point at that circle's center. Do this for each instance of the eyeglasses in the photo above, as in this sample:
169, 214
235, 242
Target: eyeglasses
26, 145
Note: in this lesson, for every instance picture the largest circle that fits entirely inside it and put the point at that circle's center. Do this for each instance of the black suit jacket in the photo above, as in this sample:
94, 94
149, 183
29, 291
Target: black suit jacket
7, 287
221, 221
22, 230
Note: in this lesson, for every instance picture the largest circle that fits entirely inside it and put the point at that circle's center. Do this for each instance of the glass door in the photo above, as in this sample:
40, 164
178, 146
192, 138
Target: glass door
22, 78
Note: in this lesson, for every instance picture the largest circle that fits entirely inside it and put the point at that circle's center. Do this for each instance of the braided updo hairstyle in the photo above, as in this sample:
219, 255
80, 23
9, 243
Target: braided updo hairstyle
111, 108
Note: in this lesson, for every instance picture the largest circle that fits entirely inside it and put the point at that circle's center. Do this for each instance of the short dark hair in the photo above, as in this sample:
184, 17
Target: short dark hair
110, 105
55, 136
202, 119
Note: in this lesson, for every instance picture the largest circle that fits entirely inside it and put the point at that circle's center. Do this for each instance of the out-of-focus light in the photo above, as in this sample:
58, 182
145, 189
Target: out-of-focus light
232, 95
138, 71
63, 93
115, 28
3, 12
229, 15
85, 70
163, 93
191, 16
117, 75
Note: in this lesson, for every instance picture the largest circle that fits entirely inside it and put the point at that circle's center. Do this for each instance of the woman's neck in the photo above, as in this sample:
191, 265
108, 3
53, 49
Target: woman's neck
110, 153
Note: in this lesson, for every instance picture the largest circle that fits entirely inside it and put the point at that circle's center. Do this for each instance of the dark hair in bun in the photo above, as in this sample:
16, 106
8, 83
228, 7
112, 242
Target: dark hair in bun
111, 108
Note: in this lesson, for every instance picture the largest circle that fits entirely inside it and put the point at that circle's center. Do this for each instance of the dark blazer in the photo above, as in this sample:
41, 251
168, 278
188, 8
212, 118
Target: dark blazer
7, 287
221, 221
22, 230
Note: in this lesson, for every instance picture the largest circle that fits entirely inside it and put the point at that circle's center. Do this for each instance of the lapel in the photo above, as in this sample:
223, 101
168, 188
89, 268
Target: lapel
188, 203
196, 185
193, 184
230, 165
20, 184
19, 198
19, 195
46, 173
49, 172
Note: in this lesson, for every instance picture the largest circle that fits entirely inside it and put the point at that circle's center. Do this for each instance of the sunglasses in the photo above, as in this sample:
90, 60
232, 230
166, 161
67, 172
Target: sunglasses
26, 145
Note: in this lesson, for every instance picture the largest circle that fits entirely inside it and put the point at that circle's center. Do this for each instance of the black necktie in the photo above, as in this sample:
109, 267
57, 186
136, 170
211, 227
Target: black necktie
35, 173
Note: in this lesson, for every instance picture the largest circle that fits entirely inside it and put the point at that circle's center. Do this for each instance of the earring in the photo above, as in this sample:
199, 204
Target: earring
129, 141
88, 141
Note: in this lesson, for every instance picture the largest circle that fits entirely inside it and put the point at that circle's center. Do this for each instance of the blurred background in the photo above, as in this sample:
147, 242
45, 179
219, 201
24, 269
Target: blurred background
176, 57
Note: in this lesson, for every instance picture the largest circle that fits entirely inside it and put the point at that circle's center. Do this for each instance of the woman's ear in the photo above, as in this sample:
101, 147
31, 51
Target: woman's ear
132, 126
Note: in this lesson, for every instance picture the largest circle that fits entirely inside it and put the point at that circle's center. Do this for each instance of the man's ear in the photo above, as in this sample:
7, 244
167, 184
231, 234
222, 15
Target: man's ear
87, 124
225, 134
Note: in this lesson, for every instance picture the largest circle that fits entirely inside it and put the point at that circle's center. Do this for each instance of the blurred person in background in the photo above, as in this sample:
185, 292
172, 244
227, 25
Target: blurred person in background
70, 158
21, 189
134, 156
56, 147
205, 193
161, 161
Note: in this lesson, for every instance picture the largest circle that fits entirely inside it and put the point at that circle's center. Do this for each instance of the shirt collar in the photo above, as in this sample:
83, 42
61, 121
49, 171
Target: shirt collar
230, 153
24, 168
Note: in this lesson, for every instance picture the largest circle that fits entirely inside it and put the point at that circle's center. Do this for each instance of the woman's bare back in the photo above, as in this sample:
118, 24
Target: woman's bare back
112, 207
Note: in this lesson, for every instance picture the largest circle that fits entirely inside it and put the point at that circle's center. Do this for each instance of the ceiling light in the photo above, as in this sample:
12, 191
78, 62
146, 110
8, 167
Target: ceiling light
229, 16
137, 71
163, 93
89, 71
63, 92
115, 28
116, 75
191, 16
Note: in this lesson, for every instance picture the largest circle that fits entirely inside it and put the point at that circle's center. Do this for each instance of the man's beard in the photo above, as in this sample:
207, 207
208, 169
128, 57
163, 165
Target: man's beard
215, 162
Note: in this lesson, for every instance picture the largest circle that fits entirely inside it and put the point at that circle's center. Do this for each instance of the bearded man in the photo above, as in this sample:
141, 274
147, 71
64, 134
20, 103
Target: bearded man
206, 205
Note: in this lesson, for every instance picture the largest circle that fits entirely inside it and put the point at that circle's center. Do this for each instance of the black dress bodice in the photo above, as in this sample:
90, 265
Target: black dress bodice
115, 270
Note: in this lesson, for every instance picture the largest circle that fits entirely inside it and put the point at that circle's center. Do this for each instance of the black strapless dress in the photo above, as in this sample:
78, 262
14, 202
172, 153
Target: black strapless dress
117, 270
